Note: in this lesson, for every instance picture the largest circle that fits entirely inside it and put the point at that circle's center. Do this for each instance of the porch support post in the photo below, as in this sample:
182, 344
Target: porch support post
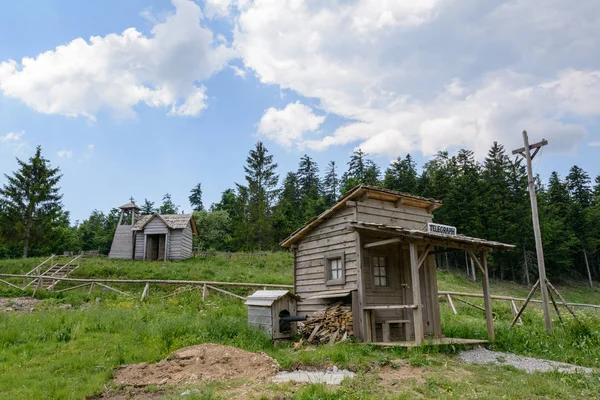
487, 299
416, 291
362, 334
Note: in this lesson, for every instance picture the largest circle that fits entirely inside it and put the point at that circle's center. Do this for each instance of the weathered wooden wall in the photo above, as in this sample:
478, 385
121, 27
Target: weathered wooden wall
139, 245
122, 245
181, 243
331, 236
260, 318
156, 226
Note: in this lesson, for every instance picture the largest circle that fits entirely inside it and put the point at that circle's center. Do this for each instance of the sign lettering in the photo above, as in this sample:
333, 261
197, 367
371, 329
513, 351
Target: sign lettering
441, 229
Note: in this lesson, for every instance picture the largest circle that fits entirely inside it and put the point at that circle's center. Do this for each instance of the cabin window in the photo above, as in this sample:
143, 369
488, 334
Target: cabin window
380, 273
334, 269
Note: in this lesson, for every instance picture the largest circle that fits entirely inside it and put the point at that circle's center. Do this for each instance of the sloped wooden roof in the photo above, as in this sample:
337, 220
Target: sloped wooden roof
452, 241
129, 206
362, 192
172, 221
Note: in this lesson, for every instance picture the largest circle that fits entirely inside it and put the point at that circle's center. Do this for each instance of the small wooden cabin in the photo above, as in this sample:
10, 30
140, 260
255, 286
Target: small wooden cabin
153, 237
373, 250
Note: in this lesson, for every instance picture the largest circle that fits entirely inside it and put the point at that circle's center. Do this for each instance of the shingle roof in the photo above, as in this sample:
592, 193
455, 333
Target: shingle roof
173, 221
129, 206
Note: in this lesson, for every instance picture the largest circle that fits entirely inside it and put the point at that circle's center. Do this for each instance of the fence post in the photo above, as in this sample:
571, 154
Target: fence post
91, 288
146, 291
204, 292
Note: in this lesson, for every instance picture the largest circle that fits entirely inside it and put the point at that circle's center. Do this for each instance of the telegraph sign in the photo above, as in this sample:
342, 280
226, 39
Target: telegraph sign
441, 229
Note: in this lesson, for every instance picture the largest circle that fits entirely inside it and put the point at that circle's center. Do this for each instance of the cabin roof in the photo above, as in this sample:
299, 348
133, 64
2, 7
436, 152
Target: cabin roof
129, 206
362, 192
458, 241
266, 298
172, 221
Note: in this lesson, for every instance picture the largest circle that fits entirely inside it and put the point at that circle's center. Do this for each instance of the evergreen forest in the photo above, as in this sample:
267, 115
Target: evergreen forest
487, 199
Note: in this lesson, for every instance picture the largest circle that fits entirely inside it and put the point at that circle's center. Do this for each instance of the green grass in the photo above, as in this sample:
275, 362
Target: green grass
58, 353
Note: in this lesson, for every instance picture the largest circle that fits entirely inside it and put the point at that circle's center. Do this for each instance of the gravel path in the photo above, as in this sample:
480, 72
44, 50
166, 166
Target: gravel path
527, 364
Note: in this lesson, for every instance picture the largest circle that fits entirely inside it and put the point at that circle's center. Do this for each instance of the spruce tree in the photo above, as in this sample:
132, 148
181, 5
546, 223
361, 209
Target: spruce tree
31, 197
401, 175
147, 208
260, 190
287, 214
330, 184
196, 198
168, 206
361, 170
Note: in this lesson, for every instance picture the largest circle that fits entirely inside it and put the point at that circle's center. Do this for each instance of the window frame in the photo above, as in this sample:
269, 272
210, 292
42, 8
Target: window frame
386, 267
327, 263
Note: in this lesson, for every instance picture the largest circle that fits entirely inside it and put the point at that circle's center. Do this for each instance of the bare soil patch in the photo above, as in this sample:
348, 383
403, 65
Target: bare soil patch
26, 304
400, 371
207, 362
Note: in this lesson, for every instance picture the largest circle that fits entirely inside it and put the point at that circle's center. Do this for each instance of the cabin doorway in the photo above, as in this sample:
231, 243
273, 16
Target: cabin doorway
156, 247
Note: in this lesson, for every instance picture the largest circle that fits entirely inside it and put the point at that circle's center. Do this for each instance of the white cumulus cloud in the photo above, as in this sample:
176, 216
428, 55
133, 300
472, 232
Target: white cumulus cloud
119, 71
288, 125
64, 154
431, 75
12, 137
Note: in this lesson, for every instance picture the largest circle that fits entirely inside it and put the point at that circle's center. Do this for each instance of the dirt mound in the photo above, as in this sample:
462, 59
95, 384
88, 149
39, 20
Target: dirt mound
207, 362
399, 371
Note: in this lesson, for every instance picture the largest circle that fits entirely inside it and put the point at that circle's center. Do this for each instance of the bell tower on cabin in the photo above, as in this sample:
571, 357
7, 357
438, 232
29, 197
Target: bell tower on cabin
122, 245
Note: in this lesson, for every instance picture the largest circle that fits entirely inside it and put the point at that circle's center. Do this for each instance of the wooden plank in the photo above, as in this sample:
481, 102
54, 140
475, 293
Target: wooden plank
225, 292
416, 289
423, 255
392, 307
382, 243
535, 286
385, 329
360, 285
489, 317
451, 304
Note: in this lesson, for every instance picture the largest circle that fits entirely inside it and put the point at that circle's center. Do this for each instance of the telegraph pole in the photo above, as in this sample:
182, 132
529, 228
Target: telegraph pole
526, 153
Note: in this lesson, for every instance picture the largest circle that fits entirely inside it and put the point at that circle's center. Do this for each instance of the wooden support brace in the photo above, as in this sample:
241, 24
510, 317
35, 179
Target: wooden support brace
146, 291
475, 259
91, 288
529, 296
555, 307
113, 289
204, 292
451, 304
73, 288
226, 292
563, 301
424, 255
514, 311
10, 284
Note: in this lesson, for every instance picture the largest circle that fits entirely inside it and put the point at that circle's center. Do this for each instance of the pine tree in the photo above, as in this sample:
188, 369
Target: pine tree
261, 183
330, 184
309, 186
168, 207
31, 197
147, 208
287, 214
401, 175
196, 198
361, 170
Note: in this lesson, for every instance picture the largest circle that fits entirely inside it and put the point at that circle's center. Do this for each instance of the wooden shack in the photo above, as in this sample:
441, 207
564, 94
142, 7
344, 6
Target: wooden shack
152, 237
373, 250
266, 307
164, 237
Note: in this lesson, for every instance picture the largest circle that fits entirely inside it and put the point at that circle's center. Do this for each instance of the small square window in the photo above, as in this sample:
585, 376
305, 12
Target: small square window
380, 276
334, 269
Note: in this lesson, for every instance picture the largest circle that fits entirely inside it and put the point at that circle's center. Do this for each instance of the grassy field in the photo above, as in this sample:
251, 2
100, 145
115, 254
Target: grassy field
57, 352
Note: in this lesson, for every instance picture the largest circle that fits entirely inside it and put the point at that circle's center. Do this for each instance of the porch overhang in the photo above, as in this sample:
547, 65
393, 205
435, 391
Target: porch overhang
391, 234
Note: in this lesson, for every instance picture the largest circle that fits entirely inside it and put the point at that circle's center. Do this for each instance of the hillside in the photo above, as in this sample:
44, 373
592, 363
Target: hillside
68, 346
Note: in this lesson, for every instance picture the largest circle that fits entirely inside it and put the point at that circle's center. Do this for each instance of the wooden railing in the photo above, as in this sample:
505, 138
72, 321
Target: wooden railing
105, 283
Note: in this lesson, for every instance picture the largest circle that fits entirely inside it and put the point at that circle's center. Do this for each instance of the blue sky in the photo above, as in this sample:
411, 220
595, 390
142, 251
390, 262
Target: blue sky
145, 97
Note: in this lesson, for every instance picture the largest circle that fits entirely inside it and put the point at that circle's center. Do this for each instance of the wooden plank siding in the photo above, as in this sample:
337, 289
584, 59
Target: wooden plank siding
122, 245
181, 243
155, 227
383, 212
332, 236
139, 245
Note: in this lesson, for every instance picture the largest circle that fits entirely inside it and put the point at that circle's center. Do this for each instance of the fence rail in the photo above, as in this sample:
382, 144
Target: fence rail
513, 307
84, 282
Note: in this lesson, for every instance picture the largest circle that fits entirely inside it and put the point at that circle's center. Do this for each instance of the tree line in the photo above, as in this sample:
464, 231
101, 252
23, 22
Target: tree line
486, 199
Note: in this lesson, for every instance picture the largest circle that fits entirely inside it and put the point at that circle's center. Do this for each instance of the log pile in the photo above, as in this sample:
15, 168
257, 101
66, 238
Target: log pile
328, 326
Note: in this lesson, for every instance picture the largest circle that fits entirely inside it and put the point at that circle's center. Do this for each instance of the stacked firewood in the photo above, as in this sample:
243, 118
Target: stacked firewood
328, 326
